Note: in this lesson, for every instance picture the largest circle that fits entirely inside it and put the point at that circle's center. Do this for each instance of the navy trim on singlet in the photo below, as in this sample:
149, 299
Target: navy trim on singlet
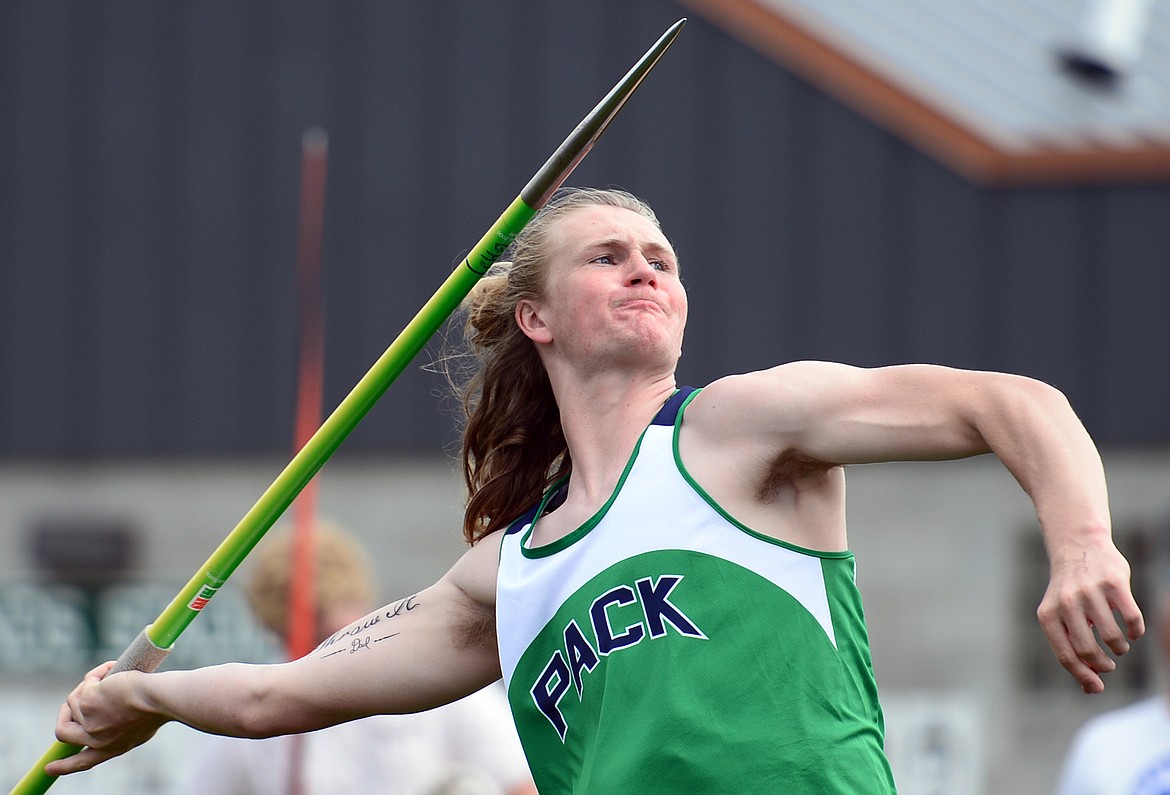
523, 521
665, 416
669, 411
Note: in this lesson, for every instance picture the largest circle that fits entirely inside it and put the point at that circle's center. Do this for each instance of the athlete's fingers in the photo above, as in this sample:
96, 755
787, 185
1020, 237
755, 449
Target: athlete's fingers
1122, 601
70, 728
85, 759
100, 672
1060, 638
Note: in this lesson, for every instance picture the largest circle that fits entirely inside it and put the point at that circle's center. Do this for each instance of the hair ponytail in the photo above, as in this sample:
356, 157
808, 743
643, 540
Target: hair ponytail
513, 446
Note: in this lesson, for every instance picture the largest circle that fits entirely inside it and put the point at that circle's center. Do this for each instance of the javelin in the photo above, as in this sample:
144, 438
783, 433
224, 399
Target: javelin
153, 644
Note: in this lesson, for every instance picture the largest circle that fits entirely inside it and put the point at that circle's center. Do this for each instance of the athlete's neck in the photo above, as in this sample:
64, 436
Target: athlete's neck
602, 419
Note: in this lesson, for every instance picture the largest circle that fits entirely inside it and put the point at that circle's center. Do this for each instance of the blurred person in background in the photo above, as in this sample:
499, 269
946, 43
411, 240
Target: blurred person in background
468, 747
1127, 751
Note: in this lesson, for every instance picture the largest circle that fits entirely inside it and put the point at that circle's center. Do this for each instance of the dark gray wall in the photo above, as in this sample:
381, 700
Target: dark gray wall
150, 169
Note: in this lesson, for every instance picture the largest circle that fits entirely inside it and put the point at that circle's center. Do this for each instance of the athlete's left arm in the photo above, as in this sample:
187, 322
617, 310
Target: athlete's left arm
820, 412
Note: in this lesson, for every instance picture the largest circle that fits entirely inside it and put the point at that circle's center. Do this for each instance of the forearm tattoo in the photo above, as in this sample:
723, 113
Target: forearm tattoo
370, 630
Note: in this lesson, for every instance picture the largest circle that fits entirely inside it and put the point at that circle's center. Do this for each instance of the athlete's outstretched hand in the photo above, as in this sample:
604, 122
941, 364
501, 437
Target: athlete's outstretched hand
1087, 608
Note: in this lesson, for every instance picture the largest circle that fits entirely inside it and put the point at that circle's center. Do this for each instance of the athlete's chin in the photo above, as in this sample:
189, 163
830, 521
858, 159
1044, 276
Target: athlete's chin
652, 349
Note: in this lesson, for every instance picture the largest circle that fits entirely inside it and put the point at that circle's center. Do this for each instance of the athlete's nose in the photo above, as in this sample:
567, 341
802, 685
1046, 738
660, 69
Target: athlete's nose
641, 271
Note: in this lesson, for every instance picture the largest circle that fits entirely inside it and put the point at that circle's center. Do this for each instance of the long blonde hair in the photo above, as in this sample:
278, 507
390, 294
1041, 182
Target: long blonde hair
513, 445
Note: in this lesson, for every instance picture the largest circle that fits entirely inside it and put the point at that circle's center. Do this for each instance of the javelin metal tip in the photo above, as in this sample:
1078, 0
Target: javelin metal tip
558, 167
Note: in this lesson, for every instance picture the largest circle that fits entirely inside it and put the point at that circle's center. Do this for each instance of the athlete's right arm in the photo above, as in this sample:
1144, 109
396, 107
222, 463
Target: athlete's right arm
414, 654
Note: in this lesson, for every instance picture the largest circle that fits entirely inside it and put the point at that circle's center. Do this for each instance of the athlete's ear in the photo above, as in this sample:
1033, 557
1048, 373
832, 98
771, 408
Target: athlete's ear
531, 322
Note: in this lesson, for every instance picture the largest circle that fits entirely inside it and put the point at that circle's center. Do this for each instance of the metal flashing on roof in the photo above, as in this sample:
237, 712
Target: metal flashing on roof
992, 88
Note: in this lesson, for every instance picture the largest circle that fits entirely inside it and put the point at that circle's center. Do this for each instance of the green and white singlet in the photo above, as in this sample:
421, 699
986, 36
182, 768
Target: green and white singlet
663, 647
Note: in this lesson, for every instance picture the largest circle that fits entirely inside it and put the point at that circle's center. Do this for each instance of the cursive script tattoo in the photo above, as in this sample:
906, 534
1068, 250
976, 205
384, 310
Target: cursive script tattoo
368, 623
405, 606
357, 644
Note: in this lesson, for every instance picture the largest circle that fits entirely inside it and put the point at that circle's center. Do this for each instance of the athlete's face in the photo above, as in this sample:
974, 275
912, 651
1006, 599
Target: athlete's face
612, 289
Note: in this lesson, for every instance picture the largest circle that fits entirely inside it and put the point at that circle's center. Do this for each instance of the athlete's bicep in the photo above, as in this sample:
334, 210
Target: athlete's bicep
835, 413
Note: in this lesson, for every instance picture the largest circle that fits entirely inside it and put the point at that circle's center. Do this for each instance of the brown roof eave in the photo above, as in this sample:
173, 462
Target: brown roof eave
827, 67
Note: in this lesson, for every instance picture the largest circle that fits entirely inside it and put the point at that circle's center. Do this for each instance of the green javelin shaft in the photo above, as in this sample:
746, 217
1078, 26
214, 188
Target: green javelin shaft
159, 637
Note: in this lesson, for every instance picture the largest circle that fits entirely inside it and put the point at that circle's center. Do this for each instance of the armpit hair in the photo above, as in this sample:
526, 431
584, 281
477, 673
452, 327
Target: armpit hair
785, 470
475, 626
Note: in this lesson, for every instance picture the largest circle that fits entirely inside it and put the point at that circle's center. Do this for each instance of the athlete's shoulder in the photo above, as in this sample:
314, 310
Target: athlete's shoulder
474, 574
763, 395
737, 398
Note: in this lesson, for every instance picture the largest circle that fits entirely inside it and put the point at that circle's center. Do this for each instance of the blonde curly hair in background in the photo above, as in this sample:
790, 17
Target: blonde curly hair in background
344, 576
